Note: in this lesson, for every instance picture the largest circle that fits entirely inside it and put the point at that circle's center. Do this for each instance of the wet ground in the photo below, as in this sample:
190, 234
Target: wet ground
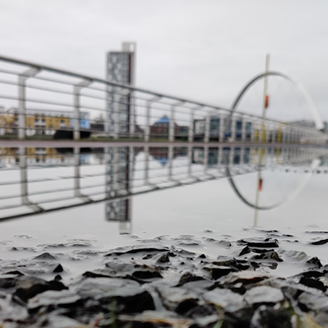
190, 255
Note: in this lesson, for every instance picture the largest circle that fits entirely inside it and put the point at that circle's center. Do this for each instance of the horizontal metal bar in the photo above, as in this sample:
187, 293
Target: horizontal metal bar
119, 85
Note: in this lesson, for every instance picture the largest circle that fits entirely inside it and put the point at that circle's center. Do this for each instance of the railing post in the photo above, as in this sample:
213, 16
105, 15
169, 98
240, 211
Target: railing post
205, 149
171, 125
117, 101
77, 176
221, 129
171, 122
147, 125
146, 177
191, 126
189, 160
24, 181
207, 128
253, 131
148, 112
242, 150
233, 128
220, 151
77, 104
22, 78
243, 129
232, 150
170, 168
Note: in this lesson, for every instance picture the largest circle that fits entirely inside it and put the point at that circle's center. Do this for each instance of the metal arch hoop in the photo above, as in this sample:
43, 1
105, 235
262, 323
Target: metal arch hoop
317, 120
318, 123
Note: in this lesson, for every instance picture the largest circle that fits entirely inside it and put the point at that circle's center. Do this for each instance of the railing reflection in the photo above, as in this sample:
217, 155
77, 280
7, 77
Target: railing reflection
35, 181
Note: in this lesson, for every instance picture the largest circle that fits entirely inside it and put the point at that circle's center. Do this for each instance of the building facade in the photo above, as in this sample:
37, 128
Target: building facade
43, 122
120, 68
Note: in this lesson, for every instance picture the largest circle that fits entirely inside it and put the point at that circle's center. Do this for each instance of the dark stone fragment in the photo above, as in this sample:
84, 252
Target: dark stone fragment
245, 250
131, 304
255, 265
146, 274
319, 242
148, 256
15, 272
185, 306
313, 283
58, 277
315, 261
136, 323
268, 256
240, 265
58, 268
188, 277
312, 274
287, 235
261, 250
7, 283
27, 293
238, 319
267, 317
202, 256
89, 274
224, 243
202, 311
269, 231
137, 249
163, 258
270, 265
45, 256
219, 272
258, 242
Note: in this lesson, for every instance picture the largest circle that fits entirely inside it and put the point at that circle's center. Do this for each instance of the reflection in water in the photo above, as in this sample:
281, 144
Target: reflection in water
39, 180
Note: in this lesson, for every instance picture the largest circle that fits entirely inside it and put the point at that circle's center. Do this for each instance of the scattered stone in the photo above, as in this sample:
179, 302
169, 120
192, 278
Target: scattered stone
245, 250
58, 268
46, 256
320, 242
264, 294
315, 261
271, 255
258, 242
154, 286
313, 283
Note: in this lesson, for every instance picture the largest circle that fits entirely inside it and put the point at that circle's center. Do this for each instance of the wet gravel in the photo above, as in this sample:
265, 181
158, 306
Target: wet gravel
157, 284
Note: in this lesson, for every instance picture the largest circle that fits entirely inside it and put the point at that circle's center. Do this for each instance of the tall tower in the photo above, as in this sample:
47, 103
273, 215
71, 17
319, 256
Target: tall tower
120, 68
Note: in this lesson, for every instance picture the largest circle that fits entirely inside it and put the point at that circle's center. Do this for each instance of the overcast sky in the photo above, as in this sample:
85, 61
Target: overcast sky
200, 49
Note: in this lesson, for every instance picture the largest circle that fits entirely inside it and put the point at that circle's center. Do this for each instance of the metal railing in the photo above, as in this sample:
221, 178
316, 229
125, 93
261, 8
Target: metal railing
41, 100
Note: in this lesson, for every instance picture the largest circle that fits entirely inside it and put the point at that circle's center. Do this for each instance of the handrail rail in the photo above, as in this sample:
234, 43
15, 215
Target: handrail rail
125, 86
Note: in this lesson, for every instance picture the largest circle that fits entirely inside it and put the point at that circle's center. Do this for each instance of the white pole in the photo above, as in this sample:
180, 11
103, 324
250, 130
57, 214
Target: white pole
259, 176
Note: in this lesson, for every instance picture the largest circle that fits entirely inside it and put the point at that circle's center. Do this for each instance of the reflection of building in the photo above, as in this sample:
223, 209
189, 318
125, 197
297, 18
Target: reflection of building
38, 155
223, 155
161, 154
40, 121
161, 128
119, 175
